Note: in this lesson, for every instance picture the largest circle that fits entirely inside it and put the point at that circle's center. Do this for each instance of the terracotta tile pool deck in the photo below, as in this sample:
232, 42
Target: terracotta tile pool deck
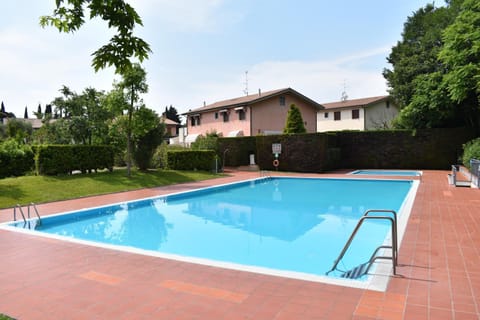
438, 276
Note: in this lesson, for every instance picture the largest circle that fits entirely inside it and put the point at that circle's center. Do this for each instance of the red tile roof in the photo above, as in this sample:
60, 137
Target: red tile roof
250, 99
364, 102
170, 122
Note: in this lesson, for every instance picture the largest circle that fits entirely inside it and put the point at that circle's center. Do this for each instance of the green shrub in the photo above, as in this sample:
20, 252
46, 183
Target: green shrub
207, 142
471, 150
15, 159
191, 160
63, 159
159, 159
145, 148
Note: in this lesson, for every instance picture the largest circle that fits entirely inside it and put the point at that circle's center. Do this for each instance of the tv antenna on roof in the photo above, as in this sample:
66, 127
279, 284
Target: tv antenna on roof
344, 92
246, 83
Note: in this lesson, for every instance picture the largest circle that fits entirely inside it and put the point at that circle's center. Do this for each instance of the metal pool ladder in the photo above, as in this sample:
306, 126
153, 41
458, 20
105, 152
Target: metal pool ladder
30, 205
363, 268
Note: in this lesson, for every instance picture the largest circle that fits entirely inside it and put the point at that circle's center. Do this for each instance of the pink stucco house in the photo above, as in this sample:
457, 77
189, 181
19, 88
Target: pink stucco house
256, 114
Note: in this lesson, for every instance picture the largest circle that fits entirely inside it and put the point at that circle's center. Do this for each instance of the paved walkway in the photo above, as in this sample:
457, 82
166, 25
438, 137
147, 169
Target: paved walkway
439, 272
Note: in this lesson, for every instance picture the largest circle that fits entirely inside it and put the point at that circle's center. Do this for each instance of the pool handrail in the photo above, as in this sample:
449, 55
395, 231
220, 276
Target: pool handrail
394, 246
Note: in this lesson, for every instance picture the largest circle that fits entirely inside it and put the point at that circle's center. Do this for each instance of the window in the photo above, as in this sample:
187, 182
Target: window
388, 104
325, 115
195, 120
356, 114
337, 116
225, 116
281, 100
216, 115
241, 114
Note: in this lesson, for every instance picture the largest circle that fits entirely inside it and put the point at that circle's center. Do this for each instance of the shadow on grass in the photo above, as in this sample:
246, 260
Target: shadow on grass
41, 189
11, 192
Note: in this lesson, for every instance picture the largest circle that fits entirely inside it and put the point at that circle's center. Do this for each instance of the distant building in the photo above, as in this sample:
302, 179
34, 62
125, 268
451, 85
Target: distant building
358, 114
171, 127
36, 123
256, 114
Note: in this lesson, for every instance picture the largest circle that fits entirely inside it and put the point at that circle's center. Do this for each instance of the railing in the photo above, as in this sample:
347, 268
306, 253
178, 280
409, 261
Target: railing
15, 213
36, 212
265, 174
475, 172
393, 247
454, 175
19, 207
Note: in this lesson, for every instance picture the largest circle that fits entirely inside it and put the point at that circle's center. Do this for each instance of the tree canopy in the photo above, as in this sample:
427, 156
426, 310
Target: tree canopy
461, 56
69, 16
436, 66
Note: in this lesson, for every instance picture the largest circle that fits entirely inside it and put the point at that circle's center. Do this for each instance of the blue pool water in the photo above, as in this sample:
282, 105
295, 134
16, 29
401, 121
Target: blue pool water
406, 173
288, 224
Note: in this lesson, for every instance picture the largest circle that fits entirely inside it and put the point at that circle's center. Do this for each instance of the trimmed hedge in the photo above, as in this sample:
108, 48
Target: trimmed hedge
382, 149
237, 150
191, 160
402, 149
15, 160
64, 159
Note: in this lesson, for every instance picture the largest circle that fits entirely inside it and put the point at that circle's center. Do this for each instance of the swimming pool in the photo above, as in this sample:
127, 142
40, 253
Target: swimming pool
294, 226
405, 173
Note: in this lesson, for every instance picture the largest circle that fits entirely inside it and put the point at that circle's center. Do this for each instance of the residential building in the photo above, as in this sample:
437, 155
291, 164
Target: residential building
258, 114
171, 127
357, 114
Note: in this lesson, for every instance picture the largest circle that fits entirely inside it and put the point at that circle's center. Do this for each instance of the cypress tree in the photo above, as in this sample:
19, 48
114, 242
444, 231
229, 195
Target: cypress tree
294, 121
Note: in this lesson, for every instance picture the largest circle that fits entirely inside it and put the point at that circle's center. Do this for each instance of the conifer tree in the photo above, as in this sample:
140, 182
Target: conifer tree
294, 121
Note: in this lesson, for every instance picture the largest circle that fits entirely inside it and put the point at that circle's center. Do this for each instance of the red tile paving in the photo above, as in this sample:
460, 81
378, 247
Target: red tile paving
438, 276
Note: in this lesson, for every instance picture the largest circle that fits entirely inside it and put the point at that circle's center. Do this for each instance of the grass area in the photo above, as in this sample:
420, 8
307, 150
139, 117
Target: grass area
40, 189
4, 317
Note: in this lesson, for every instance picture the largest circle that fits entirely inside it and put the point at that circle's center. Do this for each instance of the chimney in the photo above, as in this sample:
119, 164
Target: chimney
259, 92
204, 104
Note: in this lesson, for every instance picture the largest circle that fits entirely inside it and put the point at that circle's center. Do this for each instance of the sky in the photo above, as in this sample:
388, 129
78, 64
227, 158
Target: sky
209, 50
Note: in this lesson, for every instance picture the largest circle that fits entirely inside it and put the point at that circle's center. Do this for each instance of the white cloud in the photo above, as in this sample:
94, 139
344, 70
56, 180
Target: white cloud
322, 81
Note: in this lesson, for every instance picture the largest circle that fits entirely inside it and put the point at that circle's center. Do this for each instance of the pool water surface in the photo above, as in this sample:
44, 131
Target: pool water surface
295, 225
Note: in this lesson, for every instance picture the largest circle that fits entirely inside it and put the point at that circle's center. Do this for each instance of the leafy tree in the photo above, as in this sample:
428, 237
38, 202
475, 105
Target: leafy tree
294, 122
19, 130
87, 113
416, 54
461, 56
132, 85
148, 133
56, 131
430, 107
69, 16
207, 142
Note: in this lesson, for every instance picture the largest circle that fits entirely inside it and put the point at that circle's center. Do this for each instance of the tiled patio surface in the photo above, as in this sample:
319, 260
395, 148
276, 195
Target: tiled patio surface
439, 273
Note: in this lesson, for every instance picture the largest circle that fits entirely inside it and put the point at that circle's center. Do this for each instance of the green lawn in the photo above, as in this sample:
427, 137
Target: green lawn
39, 189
